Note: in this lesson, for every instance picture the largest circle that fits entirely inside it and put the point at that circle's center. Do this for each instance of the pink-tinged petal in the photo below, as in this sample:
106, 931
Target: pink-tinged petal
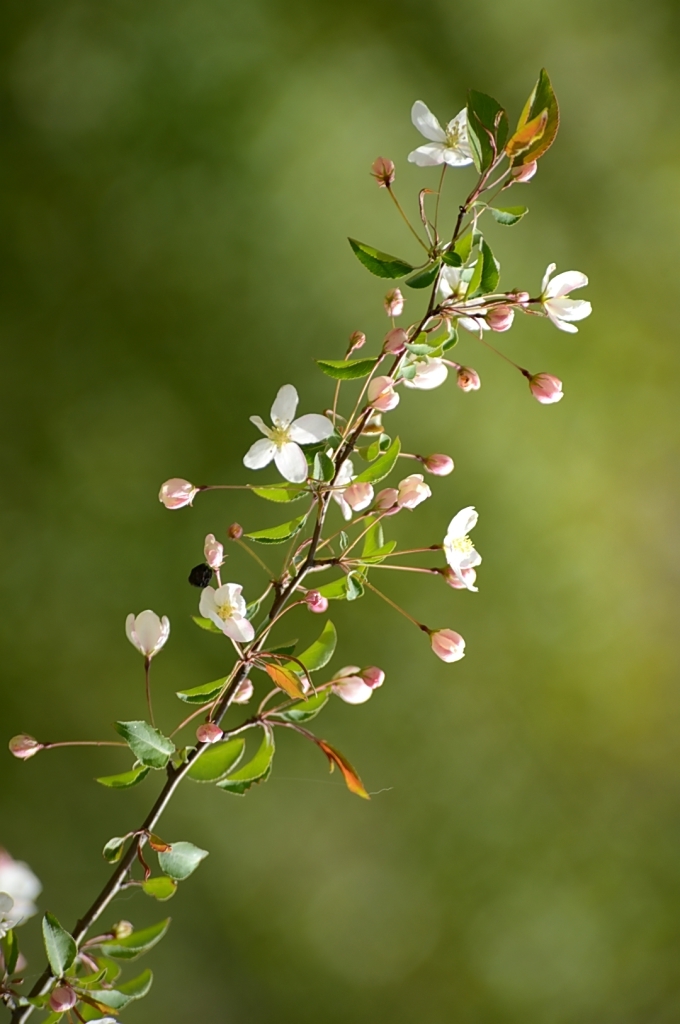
475, 325
352, 690
564, 283
569, 309
310, 429
238, 629
260, 454
456, 158
291, 463
552, 267
426, 123
261, 425
428, 156
447, 645
285, 404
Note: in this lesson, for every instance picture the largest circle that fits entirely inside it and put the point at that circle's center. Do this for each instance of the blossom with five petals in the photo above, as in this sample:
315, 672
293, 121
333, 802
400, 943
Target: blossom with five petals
227, 609
459, 549
448, 145
282, 441
560, 309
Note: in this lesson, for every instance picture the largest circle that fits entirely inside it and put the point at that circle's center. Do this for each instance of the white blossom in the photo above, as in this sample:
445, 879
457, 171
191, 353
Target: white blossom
147, 632
283, 439
459, 549
19, 887
560, 309
430, 373
227, 609
446, 145
342, 481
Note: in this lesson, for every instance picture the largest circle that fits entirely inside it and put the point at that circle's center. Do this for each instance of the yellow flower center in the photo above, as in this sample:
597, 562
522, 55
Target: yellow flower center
225, 611
279, 435
463, 545
454, 136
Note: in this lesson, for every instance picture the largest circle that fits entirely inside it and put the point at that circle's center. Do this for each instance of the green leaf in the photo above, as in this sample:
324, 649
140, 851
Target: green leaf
424, 278
280, 492
486, 275
541, 99
380, 554
256, 770
88, 1013
379, 263
10, 951
113, 850
451, 340
508, 216
148, 745
60, 946
161, 888
347, 369
137, 987
452, 258
202, 694
217, 759
487, 129
278, 534
207, 624
463, 246
374, 538
306, 710
320, 652
125, 779
382, 466
136, 944
181, 860
287, 648
109, 997
335, 591
355, 586
323, 468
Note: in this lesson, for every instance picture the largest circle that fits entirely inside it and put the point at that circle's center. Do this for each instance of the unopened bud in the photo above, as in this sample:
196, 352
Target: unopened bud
467, 379
524, 172
395, 342
244, 692
213, 551
447, 644
388, 498
500, 318
357, 340
412, 491
521, 298
439, 465
316, 602
382, 170
62, 998
545, 388
358, 496
235, 531
208, 732
200, 576
394, 302
373, 677
177, 493
122, 929
469, 577
381, 394
24, 746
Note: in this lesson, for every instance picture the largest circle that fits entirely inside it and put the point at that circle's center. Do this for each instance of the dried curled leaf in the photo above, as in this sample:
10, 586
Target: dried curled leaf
354, 783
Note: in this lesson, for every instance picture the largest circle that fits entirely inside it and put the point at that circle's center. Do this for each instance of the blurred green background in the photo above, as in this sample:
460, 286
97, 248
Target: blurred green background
177, 181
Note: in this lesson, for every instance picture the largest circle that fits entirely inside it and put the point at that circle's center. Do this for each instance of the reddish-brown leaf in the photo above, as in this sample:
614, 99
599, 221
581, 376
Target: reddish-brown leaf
157, 844
354, 783
526, 136
286, 681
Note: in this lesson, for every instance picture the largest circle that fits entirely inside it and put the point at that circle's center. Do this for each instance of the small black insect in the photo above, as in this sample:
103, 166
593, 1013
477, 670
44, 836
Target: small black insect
200, 576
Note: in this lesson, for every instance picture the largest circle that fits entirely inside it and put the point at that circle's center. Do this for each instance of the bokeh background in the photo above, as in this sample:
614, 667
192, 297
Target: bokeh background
177, 180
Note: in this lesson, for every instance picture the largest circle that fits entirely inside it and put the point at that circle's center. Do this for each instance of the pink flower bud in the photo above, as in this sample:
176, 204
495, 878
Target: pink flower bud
213, 551
447, 644
177, 493
372, 676
521, 298
243, 693
394, 302
350, 687
358, 496
383, 171
381, 394
500, 318
208, 732
545, 388
122, 929
467, 379
387, 498
470, 575
24, 746
439, 465
235, 531
316, 602
395, 342
357, 340
62, 998
412, 491
524, 172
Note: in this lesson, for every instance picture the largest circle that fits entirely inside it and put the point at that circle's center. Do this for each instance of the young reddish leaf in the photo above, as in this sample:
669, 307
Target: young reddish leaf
542, 99
157, 844
285, 680
354, 783
525, 136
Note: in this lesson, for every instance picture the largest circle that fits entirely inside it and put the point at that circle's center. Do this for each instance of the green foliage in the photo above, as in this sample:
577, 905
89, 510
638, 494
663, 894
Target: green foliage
425, 277
379, 263
452, 258
60, 946
148, 744
347, 369
486, 274
137, 987
202, 694
280, 492
10, 951
375, 549
318, 654
207, 624
509, 215
135, 945
278, 534
323, 468
379, 469
113, 850
305, 711
126, 779
217, 760
254, 771
181, 860
335, 591
487, 129
161, 888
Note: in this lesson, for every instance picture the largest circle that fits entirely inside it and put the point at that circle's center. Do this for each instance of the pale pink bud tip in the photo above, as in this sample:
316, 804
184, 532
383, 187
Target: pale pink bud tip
356, 340
468, 379
381, 394
387, 499
62, 998
395, 342
383, 171
213, 551
447, 644
235, 531
469, 577
439, 465
500, 318
358, 496
25, 746
525, 172
394, 302
373, 677
244, 692
545, 388
209, 733
177, 493
413, 490
316, 602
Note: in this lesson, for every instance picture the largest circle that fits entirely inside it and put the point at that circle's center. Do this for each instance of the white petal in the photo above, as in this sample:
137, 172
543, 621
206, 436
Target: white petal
230, 593
291, 463
130, 630
429, 376
427, 156
261, 425
569, 309
260, 454
206, 604
239, 629
285, 404
562, 325
564, 283
546, 277
310, 428
345, 473
148, 630
463, 522
473, 324
426, 123
6, 903
353, 690
457, 157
